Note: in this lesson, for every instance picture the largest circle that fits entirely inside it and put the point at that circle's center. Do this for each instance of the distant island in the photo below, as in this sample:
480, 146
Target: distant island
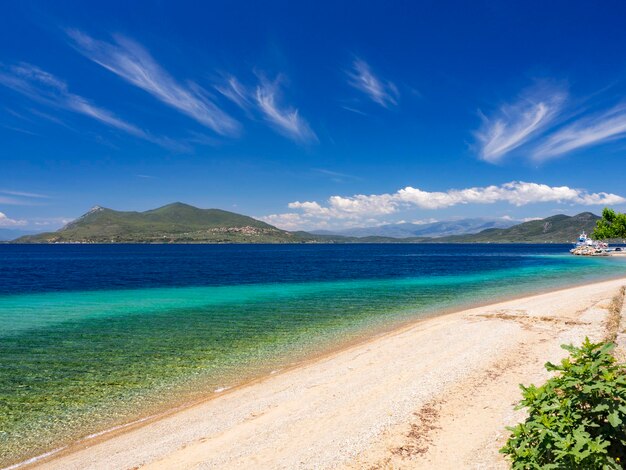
183, 223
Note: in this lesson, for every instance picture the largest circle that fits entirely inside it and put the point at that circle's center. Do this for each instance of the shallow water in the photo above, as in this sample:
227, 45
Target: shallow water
95, 336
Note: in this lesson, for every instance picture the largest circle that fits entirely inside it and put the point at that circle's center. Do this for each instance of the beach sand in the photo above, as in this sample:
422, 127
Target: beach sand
435, 394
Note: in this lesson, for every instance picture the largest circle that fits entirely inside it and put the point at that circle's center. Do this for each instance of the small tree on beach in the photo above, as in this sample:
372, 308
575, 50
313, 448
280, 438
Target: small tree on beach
611, 225
577, 419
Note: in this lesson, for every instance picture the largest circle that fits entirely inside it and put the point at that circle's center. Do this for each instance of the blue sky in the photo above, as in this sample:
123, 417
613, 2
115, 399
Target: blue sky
317, 115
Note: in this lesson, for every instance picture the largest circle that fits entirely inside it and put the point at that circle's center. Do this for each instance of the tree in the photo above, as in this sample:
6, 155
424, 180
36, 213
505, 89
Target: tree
611, 225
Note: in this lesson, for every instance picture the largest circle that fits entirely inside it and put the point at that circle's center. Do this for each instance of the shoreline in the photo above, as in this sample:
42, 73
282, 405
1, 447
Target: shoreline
174, 402
344, 349
400, 242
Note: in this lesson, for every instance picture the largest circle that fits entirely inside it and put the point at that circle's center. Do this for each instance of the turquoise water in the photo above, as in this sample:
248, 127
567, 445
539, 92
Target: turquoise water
74, 362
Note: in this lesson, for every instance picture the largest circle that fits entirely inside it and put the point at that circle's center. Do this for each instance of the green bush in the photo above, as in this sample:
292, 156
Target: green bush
577, 419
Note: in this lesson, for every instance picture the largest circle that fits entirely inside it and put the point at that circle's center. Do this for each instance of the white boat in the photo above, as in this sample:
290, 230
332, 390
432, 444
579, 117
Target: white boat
584, 240
587, 246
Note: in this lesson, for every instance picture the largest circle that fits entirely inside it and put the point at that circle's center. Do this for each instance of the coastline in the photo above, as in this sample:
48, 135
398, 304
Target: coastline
85, 453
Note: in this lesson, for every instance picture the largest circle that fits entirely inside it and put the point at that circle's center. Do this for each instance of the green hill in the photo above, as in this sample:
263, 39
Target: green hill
556, 229
172, 223
182, 223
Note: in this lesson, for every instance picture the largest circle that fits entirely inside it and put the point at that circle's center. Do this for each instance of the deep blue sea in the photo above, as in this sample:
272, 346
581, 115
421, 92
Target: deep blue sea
94, 336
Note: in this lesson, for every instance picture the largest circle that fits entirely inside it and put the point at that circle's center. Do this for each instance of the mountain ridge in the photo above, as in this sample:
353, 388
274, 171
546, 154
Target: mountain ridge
176, 222
429, 229
182, 223
559, 228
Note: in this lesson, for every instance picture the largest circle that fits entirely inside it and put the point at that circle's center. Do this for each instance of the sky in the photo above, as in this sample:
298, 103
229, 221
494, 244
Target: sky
312, 115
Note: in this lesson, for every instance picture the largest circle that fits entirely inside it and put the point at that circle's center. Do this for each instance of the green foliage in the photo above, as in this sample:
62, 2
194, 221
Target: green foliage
611, 225
577, 419
172, 223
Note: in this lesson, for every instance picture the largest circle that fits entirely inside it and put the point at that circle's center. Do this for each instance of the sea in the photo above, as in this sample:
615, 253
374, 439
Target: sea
98, 336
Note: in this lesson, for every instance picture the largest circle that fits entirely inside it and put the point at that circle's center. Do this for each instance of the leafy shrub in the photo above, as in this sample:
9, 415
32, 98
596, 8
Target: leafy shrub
577, 419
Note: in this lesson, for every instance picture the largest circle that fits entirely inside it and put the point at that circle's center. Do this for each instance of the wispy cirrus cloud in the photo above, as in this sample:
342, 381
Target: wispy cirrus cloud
336, 176
19, 129
12, 201
515, 124
21, 198
284, 119
236, 92
24, 194
587, 131
17, 201
380, 91
130, 61
543, 124
265, 99
45, 88
365, 207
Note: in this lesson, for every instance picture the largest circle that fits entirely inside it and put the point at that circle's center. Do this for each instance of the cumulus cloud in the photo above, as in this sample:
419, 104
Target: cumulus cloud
515, 124
133, 63
360, 206
288, 221
43, 87
7, 222
361, 77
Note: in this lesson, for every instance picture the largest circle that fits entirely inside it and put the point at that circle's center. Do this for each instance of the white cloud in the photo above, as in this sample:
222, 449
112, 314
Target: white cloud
363, 79
134, 64
587, 131
235, 91
24, 194
287, 221
45, 88
51, 221
515, 124
12, 201
546, 126
285, 119
354, 110
264, 99
358, 207
20, 198
7, 222
430, 220
335, 176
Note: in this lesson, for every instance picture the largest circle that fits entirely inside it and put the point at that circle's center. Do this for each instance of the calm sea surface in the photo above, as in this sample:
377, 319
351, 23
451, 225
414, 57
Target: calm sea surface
93, 336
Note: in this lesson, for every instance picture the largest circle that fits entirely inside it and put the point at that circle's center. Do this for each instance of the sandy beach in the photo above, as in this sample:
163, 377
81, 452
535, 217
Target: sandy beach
435, 394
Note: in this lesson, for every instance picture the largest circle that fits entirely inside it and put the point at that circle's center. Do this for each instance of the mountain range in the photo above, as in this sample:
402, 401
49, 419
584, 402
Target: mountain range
182, 223
556, 229
431, 229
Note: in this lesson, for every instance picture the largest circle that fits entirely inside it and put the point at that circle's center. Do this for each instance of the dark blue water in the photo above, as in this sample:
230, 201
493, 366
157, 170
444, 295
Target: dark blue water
46, 268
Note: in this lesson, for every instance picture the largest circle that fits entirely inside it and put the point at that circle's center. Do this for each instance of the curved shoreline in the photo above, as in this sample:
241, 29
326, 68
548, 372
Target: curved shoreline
125, 429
